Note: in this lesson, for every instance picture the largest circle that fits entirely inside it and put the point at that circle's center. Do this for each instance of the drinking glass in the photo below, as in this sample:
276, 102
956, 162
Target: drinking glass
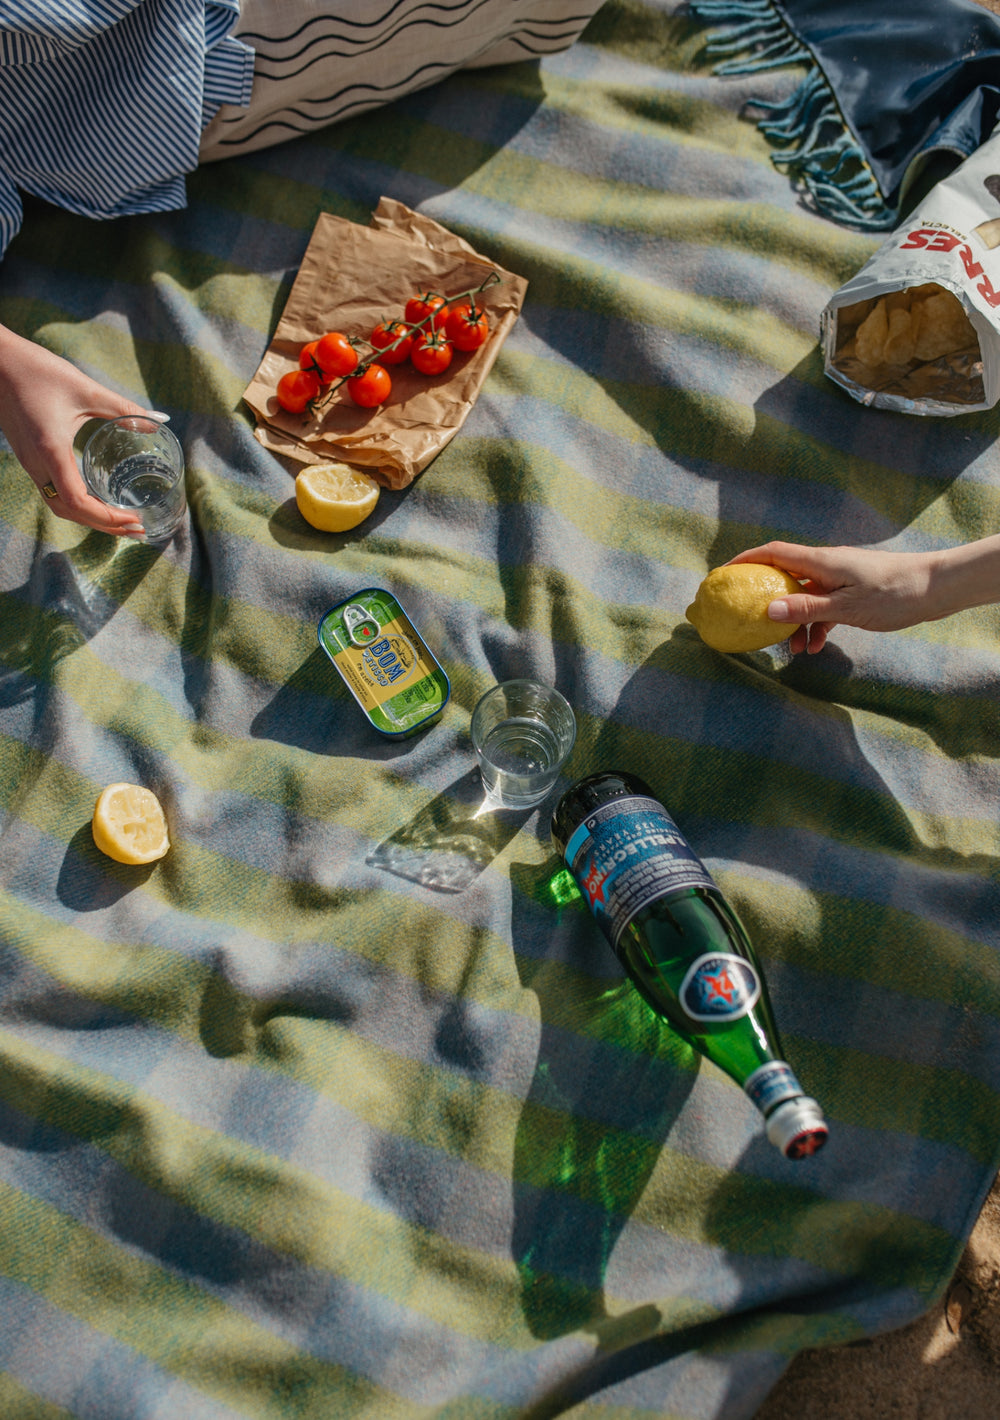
136, 463
522, 733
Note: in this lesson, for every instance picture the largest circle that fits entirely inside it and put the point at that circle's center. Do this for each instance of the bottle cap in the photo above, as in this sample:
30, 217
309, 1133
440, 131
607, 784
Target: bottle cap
797, 1128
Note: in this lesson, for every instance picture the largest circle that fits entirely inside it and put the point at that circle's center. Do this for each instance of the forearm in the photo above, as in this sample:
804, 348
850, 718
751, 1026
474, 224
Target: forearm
875, 590
11, 352
963, 577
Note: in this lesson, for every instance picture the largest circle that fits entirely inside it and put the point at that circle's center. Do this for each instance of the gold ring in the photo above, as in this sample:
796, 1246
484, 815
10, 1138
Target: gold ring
50, 491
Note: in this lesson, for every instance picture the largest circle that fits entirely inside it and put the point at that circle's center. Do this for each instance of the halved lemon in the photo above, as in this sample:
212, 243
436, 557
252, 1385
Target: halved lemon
335, 497
129, 824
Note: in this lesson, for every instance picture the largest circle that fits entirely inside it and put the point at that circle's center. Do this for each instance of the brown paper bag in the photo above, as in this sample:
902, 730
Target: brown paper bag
352, 277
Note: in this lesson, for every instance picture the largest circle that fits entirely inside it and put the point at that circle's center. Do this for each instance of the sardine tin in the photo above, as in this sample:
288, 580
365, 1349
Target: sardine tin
384, 663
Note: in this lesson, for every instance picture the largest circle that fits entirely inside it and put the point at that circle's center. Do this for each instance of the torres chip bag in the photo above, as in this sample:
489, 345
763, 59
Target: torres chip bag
918, 328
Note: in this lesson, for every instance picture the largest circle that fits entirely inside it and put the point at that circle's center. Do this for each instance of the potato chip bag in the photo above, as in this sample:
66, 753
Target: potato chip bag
918, 328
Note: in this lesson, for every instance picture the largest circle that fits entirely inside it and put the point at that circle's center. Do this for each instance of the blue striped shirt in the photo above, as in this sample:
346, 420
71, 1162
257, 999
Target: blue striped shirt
102, 102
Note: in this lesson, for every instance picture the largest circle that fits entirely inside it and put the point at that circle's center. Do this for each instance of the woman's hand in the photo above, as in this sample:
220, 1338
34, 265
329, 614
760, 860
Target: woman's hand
851, 586
44, 402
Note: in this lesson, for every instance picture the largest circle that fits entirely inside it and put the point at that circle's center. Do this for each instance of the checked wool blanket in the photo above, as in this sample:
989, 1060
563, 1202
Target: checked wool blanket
343, 1110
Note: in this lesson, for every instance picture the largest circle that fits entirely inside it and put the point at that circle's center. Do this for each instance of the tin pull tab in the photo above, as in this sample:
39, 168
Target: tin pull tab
360, 624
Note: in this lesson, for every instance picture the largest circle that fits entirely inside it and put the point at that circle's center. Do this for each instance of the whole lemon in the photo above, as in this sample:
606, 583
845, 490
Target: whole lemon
729, 610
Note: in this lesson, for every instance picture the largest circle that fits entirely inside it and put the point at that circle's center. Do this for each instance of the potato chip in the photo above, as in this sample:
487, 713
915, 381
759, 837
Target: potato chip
873, 332
988, 233
899, 343
922, 323
943, 327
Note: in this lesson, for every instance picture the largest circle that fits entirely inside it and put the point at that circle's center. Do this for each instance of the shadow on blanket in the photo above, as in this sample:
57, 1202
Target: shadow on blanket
609, 1081
68, 598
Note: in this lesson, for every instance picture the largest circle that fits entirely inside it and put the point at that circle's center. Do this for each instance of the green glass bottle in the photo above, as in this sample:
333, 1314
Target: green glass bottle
681, 943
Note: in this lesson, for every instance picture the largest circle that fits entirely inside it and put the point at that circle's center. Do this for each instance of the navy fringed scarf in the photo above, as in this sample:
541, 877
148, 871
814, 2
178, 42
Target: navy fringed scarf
886, 102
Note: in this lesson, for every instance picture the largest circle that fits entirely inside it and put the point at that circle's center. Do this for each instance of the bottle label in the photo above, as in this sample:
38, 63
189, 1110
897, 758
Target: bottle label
772, 1084
719, 987
625, 855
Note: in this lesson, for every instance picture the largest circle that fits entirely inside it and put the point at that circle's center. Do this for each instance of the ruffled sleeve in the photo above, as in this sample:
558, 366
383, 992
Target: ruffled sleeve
228, 62
10, 211
31, 33
132, 83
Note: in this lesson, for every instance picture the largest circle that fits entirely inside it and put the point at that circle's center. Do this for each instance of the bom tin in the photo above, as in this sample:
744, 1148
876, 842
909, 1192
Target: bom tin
384, 663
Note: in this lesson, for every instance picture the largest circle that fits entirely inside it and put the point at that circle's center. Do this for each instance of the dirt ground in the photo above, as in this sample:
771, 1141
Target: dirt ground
945, 1366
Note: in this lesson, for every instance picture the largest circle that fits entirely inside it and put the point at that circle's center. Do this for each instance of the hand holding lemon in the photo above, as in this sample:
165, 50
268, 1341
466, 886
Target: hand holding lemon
824, 587
730, 607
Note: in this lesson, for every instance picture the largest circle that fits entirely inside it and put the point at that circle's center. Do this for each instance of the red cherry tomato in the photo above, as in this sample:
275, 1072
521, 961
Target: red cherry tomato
396, 334
430, 303
308, 361
371, 386
466, 326
296, 389
431, 353
336, 355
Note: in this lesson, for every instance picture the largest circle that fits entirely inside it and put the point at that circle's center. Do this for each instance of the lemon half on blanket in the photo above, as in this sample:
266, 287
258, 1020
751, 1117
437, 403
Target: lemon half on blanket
129, 824
729, 610
335, 497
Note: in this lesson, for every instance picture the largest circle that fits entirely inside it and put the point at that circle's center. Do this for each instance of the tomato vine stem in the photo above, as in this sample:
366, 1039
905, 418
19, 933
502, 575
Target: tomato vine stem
413, 328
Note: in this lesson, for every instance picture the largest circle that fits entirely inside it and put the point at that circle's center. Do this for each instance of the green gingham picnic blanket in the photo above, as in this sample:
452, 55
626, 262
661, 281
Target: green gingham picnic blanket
343, 1109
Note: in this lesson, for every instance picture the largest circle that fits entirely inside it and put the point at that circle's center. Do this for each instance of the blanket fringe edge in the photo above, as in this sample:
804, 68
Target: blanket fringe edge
820, 153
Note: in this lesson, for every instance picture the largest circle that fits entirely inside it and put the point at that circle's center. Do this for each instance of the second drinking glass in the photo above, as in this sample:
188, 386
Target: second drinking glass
522, 733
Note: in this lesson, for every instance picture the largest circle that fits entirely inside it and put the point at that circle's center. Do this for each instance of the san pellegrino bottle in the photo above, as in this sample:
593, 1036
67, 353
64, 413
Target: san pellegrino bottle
681, 943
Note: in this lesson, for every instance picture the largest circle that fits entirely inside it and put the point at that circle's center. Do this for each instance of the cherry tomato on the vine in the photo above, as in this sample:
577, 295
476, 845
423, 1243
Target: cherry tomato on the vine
431, 353
466, 326
308, 361
429, 303
336, 355
371, 386
296, 389
389, 332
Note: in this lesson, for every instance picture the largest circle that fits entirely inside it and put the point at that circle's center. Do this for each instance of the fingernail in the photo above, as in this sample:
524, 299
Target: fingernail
778, 611
156, 414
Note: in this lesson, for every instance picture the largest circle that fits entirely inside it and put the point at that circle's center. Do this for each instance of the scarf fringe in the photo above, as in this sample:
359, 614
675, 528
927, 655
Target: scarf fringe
749, 37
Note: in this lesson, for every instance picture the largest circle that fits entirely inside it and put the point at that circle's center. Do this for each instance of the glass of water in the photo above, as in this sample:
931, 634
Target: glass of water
522, 733
136, 463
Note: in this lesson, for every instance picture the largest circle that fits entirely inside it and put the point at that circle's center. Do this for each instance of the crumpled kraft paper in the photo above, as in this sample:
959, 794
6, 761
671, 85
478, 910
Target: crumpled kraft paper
352, 277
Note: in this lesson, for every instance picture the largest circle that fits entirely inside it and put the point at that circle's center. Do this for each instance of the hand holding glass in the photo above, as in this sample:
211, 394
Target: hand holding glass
522, 733
137, 464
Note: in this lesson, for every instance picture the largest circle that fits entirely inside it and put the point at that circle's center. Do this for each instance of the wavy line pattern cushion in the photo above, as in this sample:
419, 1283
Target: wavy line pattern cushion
317, 63
102, 105
343, 1109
